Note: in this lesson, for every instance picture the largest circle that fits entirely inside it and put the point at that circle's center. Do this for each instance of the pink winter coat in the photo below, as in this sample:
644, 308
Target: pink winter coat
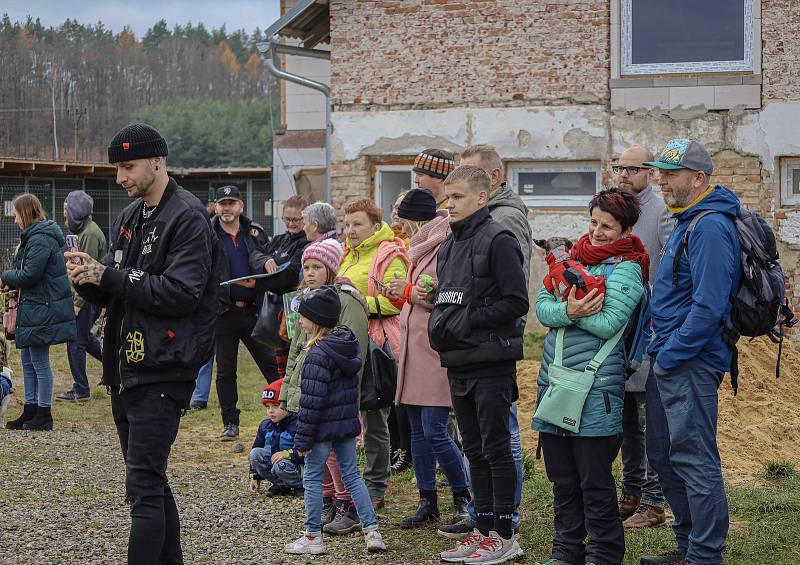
421, 379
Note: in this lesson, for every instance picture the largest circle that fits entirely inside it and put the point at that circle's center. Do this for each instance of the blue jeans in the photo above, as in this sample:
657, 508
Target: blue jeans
681, 408
37, 375
86, 342
202, 386
345, 450
284, 473
430, 442
516, 452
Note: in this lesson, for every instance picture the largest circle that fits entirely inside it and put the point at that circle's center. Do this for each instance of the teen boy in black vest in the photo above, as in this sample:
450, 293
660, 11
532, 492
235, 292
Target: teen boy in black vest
476, 326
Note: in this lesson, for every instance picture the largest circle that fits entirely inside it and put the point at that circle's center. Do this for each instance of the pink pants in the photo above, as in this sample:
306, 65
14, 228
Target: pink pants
332, 484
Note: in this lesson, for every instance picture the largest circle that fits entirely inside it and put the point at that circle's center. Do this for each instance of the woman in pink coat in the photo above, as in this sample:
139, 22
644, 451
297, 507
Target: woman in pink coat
422, 385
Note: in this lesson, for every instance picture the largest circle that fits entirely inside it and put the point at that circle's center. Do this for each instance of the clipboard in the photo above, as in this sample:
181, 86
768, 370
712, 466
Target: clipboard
281, 267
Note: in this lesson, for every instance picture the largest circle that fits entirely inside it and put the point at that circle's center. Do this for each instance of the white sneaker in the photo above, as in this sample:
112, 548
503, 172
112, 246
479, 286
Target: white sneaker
465, 547
494, 549
306, 544
374, 541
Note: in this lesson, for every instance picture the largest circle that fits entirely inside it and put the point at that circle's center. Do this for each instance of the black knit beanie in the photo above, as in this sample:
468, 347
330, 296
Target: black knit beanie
322, 306
136, 141
418, 206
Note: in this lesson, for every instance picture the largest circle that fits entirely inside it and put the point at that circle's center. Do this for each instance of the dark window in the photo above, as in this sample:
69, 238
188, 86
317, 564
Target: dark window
683, 31
557, 184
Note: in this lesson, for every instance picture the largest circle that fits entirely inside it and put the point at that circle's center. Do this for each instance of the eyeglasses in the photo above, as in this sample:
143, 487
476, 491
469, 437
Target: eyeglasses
291, 220
617, 169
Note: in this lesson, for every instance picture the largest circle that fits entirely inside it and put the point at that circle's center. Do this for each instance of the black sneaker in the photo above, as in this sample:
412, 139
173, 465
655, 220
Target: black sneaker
401, 461
673, 557
456, 531
72, 396
278, 490
230, 432
198, 405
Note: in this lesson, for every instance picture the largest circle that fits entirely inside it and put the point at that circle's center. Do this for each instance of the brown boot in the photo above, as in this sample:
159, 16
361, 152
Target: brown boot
627, 505
646, 517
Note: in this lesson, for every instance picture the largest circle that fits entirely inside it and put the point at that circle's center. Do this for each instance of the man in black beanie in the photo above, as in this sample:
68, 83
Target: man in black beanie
159, 283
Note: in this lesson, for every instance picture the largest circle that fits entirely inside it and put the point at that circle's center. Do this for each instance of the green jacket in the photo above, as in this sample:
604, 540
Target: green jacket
45, 315
583, 338
92, 241
354, 316
508, 210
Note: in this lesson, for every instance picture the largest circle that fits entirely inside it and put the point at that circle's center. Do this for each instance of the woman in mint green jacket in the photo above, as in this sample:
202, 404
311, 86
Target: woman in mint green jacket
579, 463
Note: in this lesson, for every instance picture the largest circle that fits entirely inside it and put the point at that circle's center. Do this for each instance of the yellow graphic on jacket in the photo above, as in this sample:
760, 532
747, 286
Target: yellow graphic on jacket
135, 351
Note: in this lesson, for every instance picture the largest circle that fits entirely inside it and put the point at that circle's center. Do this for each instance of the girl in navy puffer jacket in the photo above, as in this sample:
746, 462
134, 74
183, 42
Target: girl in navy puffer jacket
328, 417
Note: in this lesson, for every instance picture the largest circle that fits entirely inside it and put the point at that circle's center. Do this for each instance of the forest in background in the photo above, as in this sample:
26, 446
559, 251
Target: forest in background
205, 90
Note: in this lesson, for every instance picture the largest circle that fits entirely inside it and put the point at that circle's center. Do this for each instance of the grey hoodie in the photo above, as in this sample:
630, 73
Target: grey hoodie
653, 228
508, 209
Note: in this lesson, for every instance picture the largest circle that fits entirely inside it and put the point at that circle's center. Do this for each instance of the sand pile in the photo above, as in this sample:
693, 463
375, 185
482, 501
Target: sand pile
760, 424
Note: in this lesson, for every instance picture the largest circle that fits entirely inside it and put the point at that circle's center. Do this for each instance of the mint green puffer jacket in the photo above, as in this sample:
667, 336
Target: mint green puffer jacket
583, 338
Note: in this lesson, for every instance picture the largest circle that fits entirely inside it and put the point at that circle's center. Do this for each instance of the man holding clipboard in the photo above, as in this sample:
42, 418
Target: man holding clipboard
236, 323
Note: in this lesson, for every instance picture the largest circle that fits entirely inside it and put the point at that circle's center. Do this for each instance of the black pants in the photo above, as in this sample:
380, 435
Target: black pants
234, 326
147, 419
400, 430
584, 498
85, 342
482, 407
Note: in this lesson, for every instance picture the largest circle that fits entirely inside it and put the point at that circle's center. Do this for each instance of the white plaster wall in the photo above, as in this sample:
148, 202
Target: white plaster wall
770, 133
305, 107
285, 163
565, 132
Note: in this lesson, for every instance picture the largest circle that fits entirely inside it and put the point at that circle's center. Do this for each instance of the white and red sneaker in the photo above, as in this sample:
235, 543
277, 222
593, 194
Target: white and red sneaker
306, 544
494, 549
465, 547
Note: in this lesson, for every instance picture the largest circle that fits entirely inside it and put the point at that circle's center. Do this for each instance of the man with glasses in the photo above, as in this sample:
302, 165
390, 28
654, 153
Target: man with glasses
642, 502
235, 324
282, 257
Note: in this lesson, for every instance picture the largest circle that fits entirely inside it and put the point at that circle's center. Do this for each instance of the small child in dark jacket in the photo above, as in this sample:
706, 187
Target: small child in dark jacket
273, 456
329, 417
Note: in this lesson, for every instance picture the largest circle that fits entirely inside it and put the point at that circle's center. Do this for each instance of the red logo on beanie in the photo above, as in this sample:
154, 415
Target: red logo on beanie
126, 145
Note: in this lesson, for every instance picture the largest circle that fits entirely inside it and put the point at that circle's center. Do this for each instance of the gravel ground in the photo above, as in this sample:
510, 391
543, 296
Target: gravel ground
61, 501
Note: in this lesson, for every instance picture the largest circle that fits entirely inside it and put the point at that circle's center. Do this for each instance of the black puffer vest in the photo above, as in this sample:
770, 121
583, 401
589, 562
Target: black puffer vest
466, 282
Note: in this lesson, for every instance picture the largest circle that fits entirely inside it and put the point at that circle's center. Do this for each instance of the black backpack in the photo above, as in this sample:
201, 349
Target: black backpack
759, 305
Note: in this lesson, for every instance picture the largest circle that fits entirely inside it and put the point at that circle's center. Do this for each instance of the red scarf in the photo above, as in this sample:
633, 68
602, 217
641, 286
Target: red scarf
626, 249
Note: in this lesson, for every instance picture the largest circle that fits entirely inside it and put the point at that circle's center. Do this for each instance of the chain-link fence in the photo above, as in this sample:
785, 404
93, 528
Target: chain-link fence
109, 201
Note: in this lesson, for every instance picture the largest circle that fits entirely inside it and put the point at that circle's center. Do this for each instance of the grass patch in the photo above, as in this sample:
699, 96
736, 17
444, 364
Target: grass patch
81, 492
779, 470
532, 345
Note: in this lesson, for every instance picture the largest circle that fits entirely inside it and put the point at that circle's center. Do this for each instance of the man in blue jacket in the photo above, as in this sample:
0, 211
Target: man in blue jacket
691, 300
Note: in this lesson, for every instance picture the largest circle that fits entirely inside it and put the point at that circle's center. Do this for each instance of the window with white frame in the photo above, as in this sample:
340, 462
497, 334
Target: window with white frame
686, 36
390, 181
555, 184
790, 181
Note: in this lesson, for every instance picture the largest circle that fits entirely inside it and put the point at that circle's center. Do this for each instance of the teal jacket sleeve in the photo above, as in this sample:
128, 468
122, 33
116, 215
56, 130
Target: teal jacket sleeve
624, 289
550, 311
34, 264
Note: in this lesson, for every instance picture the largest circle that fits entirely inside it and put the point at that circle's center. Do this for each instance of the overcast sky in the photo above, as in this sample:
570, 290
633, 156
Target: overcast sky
140, 15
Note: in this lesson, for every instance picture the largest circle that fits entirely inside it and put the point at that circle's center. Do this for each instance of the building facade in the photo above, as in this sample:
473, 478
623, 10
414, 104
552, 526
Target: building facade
561, 87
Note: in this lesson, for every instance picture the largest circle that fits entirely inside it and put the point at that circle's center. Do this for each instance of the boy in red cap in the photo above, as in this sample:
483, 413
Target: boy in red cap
273, 456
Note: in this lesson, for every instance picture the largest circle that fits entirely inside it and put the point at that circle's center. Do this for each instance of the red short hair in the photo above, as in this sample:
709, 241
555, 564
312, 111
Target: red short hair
367, 206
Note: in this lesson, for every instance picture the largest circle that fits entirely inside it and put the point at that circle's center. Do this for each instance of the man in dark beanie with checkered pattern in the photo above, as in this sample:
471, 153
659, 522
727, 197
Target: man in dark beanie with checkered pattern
159, 283
431, 167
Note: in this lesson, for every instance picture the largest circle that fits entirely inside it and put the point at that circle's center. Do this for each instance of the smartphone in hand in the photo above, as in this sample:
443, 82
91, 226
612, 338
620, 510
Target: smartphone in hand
73, 246
380, 284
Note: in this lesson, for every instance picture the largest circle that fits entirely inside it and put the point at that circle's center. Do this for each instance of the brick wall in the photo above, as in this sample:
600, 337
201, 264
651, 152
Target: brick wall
435, 53
780, 55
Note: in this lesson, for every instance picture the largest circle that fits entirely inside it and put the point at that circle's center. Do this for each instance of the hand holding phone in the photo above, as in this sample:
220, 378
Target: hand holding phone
73, 246
380, 284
